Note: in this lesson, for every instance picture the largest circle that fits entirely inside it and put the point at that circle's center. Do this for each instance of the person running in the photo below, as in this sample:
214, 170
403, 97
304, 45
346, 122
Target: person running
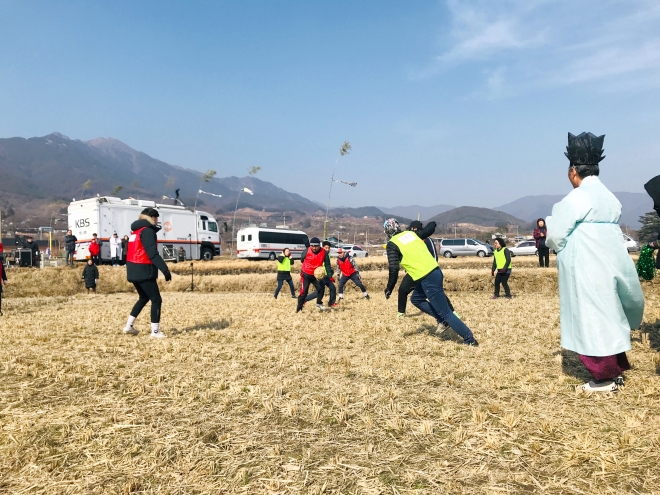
312, 257
501, 264
540, 234
600, 296
142, 265
349, 271
408, 250
284, 263
327, 281
90, 276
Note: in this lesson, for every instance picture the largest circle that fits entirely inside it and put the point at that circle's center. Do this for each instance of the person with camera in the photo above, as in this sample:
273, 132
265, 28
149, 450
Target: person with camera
142, 265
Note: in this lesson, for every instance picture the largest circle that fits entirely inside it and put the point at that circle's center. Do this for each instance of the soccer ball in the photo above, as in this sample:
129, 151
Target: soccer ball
319, 272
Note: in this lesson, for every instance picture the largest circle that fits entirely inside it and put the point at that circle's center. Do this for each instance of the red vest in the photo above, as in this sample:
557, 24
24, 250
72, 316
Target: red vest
94, 248
347, 269
313, 261
136, 253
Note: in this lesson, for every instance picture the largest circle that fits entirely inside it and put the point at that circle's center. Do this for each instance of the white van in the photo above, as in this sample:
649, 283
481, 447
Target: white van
264, 243
194, 231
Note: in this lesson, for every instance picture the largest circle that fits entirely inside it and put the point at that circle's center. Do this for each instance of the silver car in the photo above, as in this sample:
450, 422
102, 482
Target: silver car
450, 248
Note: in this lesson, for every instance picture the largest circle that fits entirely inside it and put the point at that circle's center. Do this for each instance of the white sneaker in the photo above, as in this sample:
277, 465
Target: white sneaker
608, 386
321, 307
441, 328
130, 330
158, 335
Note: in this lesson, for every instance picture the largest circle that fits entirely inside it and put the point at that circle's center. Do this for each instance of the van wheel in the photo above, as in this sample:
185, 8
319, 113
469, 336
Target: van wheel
271, 256
481, 254
207, 254
447, 254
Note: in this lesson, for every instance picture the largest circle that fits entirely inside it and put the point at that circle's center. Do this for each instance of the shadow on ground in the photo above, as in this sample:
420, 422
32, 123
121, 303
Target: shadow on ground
207, 325
572, 366
429, 329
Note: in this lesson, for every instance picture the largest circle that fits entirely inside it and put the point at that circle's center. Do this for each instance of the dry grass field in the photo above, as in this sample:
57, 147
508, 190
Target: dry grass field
245, 396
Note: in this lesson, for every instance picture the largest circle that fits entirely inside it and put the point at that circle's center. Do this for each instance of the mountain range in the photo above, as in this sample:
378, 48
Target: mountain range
60, 168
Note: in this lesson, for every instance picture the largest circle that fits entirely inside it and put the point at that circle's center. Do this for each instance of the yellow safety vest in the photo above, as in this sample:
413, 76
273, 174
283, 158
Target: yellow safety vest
416, 260
500, 258
285, 265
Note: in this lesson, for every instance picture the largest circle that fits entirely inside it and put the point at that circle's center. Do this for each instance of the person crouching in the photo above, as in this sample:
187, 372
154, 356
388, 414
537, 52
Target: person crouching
349, 271
142, 265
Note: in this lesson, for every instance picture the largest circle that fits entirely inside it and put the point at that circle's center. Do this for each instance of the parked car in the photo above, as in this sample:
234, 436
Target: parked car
450, 248
631, 244
354, 251
525, 248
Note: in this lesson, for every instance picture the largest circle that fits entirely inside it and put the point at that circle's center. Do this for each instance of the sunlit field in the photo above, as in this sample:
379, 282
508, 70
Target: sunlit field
246, 396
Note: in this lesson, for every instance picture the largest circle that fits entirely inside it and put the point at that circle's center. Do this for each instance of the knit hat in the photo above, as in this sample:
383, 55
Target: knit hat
314, 241
415, 224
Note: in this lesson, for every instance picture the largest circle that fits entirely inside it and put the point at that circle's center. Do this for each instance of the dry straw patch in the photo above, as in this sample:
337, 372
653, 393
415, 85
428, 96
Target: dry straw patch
248, 397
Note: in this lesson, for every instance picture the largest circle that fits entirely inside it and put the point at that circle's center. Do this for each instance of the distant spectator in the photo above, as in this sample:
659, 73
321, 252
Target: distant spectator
95, 249
69, 246
48, 253
501, 264
90, 275
124, 248
115, 249
540, 234
32, 246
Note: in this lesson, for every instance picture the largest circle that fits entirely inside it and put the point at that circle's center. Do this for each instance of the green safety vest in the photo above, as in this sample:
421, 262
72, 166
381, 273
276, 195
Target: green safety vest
416, 260
500, 259
285, 266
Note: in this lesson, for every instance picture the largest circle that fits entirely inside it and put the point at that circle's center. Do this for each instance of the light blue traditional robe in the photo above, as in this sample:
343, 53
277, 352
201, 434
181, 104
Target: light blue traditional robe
600, 295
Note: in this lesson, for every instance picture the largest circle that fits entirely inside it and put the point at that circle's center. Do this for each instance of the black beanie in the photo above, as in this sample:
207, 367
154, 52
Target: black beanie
314, 241
415, 224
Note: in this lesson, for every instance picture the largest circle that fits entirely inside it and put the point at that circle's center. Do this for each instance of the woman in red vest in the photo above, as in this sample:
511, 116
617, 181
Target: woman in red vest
142, 265
349, 271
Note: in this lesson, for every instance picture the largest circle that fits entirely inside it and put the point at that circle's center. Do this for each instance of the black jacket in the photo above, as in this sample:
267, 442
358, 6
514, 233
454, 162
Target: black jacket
32, 245
394, 255
138, 272
124, 248
90, 274
70, 243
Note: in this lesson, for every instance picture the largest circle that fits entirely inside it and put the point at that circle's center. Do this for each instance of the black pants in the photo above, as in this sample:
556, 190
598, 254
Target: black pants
502, 278
96, 260
69, 257
406, 287
544, 256
331, 287
148, 291
355, 278
280, 283
308, 280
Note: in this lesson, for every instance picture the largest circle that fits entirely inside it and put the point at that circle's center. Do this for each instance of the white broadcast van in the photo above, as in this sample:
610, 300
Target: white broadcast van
263, 243
194, 231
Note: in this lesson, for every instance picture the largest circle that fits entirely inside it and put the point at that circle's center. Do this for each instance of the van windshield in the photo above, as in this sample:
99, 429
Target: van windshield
213, 227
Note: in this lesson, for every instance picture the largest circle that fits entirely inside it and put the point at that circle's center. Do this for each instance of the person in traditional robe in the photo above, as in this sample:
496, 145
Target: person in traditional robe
600, 296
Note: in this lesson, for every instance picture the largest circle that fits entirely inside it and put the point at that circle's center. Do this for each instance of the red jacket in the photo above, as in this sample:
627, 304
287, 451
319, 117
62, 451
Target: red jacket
94, 248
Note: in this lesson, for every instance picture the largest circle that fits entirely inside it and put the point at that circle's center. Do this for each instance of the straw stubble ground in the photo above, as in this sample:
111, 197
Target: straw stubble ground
245, 396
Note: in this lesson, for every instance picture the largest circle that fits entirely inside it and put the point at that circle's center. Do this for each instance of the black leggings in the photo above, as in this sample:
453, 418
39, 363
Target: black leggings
544, 256
502, 278
406, 287
280, 283
148, 291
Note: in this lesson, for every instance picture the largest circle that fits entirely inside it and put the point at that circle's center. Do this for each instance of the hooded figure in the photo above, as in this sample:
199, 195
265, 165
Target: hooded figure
600, 296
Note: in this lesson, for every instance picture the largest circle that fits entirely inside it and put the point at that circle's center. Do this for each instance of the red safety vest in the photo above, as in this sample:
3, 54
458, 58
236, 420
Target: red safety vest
136, 253
346, 266
313, 261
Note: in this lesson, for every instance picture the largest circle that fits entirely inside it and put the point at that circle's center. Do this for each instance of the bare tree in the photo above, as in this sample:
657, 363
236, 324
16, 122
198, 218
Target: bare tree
85, 187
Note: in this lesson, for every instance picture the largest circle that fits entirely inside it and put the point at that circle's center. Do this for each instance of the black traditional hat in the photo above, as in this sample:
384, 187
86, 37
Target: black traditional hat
653, 188
584, 149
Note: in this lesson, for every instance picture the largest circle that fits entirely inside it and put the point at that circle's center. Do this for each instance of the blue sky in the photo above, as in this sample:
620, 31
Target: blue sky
464, 103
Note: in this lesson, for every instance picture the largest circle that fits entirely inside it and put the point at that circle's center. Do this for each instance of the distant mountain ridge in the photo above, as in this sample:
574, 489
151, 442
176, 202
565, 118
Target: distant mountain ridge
425, 212
478, 216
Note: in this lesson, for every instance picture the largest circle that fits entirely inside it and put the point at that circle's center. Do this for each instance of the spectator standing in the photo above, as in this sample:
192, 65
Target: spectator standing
95, 249
501, 264
540, 234
115, 249
124, 248
69, 246
32, 246
3, 281
90, 276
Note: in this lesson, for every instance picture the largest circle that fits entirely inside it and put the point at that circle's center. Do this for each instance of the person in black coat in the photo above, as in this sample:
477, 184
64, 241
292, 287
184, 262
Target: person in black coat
3, 282
124, 249
90, 275
69, 246
34, 247
142, 265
